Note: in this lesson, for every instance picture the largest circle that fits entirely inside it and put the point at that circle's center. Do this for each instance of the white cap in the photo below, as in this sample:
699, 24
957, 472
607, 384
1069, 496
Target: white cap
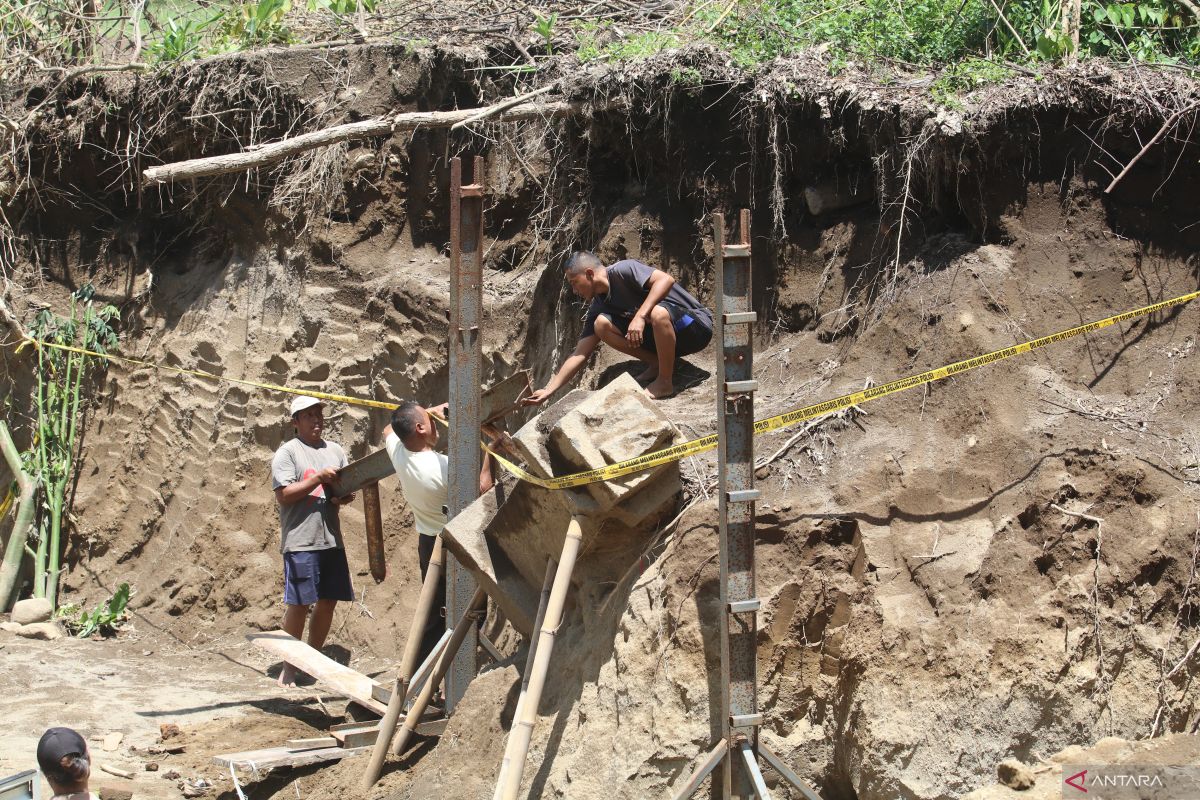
302, 402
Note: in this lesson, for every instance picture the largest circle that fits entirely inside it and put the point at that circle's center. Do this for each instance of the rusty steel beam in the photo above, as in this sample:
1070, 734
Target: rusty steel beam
736, 496
376, 557
466, 366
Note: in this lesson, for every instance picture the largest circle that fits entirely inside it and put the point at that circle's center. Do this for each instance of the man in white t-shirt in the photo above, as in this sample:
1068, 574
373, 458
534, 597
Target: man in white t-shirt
424, 478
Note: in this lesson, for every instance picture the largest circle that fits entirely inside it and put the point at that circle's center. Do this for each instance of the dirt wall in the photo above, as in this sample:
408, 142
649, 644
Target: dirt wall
937, 596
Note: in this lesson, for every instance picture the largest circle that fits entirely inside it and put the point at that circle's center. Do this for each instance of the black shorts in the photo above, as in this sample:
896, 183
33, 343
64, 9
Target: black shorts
691, 333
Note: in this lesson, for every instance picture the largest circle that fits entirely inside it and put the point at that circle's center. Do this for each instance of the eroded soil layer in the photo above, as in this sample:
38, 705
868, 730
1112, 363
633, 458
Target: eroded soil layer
939, 594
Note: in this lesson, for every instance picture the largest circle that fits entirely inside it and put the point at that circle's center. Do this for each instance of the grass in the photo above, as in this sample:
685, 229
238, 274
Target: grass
955, 35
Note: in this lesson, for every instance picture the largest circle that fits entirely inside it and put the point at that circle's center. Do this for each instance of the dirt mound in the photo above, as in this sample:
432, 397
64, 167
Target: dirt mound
999, 566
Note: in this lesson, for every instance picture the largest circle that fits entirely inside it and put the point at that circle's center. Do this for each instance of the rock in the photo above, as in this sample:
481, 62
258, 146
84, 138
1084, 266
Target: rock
47, 631
1015, 775
168, 730
151, 766
11, 627
172, 775
113, 793
35, 609
112, 741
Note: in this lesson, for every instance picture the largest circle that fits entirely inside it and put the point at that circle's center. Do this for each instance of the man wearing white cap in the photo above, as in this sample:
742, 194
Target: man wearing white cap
315, 572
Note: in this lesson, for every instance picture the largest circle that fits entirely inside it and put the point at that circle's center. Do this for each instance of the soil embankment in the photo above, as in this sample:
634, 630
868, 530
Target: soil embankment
1001, 566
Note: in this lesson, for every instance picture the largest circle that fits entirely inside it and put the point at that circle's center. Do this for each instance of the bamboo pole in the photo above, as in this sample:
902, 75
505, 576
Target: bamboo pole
443, 665
408, 661
10, 568
522, 730
506, 764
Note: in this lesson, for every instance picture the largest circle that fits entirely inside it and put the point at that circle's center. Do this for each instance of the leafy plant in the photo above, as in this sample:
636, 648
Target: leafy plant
343, 8
179, 40
251, 24
61, 376
104, 618
544, 27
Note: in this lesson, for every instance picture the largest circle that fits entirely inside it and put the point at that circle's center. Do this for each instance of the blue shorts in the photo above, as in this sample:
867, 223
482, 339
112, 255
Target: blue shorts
312, 575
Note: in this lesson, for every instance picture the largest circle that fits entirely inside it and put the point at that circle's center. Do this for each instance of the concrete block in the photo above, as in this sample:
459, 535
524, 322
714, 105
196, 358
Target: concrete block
614, 424
507, 536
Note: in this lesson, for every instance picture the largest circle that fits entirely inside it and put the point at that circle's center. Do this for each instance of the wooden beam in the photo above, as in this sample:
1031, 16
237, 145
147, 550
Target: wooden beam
272, 757
339, 678
311, 744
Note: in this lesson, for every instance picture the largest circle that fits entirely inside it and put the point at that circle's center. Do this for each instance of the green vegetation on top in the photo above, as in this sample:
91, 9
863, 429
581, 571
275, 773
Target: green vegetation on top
921, 32
966, 38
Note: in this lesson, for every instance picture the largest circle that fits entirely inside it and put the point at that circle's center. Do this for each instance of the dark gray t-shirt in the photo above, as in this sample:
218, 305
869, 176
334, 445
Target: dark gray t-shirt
627, 291
311, 524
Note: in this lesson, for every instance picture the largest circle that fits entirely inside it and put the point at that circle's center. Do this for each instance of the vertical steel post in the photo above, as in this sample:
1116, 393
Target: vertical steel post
738, 749
735, 425
466, 360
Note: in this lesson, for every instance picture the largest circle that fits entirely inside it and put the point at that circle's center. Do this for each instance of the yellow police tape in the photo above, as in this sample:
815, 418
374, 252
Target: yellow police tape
659, 457
790, 418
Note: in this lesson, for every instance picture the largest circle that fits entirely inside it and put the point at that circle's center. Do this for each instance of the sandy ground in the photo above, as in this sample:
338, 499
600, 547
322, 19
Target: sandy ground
132, 684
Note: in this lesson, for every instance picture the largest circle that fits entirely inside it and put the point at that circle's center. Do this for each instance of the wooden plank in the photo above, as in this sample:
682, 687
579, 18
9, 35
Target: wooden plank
434, 727
273, 757
367, 470
311, 744
363, 737
339, 678
504, 396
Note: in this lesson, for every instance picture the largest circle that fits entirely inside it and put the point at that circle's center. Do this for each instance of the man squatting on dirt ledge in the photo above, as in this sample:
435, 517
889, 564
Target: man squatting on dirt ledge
314, 561
638, 310
424, 477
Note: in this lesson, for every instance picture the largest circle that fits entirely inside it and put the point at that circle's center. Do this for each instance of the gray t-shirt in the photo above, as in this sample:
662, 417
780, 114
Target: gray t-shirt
627, 291
311, 524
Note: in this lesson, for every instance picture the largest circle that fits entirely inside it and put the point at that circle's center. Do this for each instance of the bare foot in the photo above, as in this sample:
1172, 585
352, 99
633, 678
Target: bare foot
661, 388
287, 675
647, 375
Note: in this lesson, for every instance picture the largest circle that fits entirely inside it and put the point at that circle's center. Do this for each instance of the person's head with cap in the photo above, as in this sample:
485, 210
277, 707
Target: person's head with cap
309, 418
63, 757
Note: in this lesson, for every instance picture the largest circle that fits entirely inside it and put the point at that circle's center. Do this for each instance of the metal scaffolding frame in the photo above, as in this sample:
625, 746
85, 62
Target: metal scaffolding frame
738, 749
466, 367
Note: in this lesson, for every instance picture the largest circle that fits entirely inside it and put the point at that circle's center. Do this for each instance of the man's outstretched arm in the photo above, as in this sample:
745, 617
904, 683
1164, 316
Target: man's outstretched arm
569, 368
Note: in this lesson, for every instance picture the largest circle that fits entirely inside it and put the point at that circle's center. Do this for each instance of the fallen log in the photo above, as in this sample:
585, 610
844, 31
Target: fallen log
410, 121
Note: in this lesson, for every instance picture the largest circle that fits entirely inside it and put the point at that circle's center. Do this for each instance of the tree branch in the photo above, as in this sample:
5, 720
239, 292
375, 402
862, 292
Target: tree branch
277, 151
1166, 126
